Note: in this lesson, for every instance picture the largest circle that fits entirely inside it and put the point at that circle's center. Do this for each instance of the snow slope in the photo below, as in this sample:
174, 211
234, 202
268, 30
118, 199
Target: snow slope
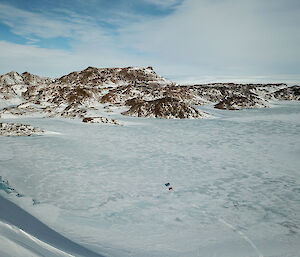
23, 235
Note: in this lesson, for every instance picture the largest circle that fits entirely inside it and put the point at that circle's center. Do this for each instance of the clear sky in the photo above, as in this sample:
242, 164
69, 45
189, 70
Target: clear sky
185, 40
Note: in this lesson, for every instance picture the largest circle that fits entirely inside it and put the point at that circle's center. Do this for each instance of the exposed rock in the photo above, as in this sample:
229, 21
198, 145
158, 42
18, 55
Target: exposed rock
289, 93
167, 107
112, 77
121, 94
30, 79
13, 84
84, 93
12, 129
134, 101
100, 120
11, 78
217, 92
240, 102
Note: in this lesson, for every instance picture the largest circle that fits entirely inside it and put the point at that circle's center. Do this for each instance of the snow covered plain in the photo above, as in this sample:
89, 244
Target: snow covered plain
235, 178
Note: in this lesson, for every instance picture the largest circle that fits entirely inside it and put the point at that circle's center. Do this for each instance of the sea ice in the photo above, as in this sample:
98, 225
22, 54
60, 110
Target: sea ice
235, 178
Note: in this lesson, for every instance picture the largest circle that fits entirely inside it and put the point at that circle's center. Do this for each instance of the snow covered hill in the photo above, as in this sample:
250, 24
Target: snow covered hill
11, 129
113, 77
166, 107
241, 102
287, 93
99, 92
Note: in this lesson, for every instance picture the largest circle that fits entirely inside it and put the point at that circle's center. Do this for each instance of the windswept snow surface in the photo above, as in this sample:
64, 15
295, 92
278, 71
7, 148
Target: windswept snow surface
23, 235
236, 183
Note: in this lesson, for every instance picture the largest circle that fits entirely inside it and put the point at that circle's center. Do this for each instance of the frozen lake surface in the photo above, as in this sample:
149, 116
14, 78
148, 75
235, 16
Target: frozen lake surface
236, 182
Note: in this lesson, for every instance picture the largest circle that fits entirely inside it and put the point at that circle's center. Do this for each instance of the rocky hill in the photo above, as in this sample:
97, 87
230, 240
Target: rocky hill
93, 94
13, 84
167, 107
113, 77
241, 102
288, 93
12, 129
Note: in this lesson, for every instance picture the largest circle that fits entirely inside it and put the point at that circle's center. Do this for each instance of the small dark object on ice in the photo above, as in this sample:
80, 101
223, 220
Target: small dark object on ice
169, 186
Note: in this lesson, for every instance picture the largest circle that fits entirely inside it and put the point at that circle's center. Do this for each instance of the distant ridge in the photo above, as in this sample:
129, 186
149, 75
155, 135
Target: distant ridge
94, 94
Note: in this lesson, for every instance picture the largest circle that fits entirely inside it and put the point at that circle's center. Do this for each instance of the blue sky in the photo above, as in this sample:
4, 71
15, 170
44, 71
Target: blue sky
185, 40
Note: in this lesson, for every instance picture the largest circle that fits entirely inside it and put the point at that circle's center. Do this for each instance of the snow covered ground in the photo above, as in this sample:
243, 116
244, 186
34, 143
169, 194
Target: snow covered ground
23, 235
235, 178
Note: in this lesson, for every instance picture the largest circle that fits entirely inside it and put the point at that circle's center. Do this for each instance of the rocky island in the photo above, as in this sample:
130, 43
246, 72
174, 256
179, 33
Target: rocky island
166, 107
93, 94
12, 129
